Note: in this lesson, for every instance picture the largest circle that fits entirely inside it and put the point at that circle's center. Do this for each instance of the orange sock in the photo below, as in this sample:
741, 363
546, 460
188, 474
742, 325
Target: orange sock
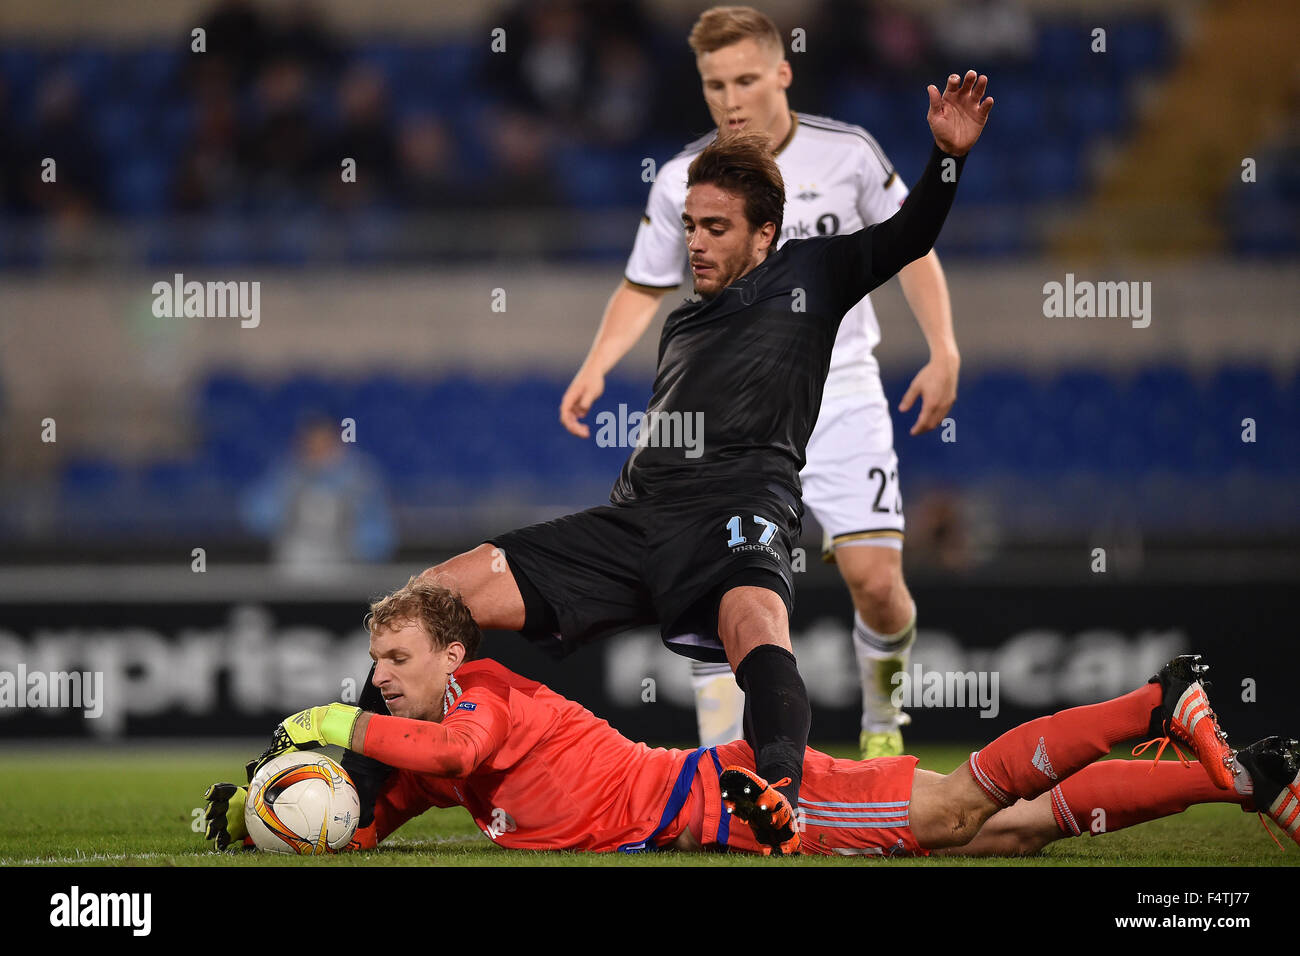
1032, 758
1114, 794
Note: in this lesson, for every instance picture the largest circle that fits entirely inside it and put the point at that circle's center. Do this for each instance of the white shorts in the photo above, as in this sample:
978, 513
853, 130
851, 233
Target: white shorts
850, 481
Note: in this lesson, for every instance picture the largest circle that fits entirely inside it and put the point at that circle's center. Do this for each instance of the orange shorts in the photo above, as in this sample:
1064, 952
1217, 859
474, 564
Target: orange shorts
849, 807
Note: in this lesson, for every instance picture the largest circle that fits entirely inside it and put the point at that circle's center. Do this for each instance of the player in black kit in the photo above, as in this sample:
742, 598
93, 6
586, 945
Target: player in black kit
698, 534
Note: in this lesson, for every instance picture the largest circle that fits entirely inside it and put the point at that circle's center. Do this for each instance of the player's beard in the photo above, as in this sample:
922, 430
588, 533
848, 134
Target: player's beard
733, 272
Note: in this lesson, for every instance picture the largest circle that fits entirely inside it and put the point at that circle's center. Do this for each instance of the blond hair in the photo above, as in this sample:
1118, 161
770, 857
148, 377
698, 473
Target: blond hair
438, 610
722, 26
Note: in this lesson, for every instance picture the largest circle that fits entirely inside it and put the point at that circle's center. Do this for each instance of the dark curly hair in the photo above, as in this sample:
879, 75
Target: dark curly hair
742, 163
439, 610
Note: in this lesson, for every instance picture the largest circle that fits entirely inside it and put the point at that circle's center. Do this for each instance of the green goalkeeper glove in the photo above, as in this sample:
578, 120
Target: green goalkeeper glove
315, 726
309, 729
225, 815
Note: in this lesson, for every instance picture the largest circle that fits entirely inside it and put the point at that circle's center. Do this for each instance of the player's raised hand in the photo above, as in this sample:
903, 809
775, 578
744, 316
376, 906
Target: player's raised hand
957, 117
585, 388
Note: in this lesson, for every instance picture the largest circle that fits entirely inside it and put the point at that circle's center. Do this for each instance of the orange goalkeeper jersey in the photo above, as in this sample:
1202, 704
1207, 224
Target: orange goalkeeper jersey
535, 770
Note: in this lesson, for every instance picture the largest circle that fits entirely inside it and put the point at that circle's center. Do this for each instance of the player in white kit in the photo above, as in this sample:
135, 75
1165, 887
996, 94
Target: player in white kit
838, 180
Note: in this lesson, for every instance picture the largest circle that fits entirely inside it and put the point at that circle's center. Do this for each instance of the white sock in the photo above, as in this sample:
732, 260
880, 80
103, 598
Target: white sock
880, 656
719, 704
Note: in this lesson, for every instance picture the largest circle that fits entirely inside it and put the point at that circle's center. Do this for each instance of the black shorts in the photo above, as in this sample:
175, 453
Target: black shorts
588, 575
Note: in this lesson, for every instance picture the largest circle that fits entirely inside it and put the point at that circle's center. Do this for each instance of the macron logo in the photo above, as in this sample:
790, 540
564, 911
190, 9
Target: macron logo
102, 909
1040, 759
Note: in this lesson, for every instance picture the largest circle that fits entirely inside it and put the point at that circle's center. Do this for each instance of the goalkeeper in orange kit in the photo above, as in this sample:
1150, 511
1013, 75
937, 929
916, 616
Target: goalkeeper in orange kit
538, 771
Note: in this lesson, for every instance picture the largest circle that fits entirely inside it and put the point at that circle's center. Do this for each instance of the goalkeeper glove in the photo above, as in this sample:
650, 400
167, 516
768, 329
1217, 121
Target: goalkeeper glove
309, 729
225, 814
315, 726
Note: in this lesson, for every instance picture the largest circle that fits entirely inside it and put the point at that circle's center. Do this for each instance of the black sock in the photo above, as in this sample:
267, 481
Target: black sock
776, 703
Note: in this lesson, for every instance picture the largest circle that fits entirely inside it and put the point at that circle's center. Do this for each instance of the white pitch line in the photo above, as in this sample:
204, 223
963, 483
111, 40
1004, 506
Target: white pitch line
83, 858
107, 857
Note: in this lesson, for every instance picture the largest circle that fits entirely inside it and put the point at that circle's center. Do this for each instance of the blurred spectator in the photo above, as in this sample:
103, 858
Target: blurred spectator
63, 134
900, 39
282, 154
428, 166
862, 40
973, 33
13, 199
298, 32
582, 67
365, 135
236, 41
209, 173
622, 97
622, 94
546, 64
324, 508
522, 172
951, 530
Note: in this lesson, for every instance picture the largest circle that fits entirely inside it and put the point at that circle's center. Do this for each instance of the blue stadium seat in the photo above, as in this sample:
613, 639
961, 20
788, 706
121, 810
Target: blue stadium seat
1062, 48
229, 392
1050, 171
225, 240
370, 237
1022, 110
238, 458
310, 391
1262, 225
290, 239
443, 66
596, 177
1092, 110
1082, 407
388, 58
866, 106
138, 187
118, 128
91, 479
1168, 409
89, 68
152, 72
176, 481
21, 68
989, 180
1139, 46
1243, 389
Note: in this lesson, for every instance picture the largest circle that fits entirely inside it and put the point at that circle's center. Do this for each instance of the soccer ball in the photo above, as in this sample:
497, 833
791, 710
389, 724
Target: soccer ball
301, 803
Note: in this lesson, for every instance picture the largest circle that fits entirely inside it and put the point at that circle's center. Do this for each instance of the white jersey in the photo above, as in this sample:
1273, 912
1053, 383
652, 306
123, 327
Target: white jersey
837, 180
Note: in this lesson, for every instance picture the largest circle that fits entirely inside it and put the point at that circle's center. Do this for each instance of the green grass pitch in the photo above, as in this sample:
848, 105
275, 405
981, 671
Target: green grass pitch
133, 806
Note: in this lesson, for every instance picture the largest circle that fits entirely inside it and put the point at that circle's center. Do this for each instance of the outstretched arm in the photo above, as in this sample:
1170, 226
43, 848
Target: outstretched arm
956, 119
465, 737
863, 260
446, 750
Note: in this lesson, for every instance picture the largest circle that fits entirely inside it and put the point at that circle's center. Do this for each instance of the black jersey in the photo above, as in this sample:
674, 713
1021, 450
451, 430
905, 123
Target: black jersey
740, 375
